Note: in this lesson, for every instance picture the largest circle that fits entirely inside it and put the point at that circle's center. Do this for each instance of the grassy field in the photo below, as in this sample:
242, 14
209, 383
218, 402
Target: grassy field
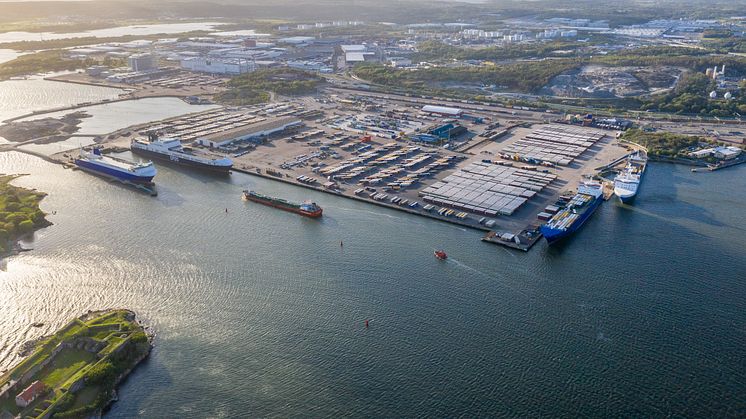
67, 363
8, 405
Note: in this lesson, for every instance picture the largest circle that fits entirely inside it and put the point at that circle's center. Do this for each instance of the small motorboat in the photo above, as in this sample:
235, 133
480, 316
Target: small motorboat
440, 255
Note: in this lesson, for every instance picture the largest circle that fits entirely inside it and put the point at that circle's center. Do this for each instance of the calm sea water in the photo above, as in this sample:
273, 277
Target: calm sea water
259, 312
8, 55
149, 29
108, 117
20, 97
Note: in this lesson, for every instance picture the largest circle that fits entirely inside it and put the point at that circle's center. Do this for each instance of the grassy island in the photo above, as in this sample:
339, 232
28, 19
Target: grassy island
74, 372
19, 213
40, 62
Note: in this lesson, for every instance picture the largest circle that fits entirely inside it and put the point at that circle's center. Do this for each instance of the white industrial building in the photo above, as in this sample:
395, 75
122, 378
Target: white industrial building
514, 38
357, 53
297, 40
478, 33
255, 131
143, 62
348, 55
442, 110
400, 62
720, 152
310, 66
245, 54
217, 65
727, 153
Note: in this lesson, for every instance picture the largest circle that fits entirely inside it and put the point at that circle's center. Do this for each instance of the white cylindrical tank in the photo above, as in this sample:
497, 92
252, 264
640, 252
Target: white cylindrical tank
713, 94
728, 95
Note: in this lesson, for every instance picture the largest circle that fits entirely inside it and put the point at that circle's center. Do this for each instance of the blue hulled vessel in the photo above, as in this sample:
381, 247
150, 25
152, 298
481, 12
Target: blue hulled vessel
116, 168
569, 220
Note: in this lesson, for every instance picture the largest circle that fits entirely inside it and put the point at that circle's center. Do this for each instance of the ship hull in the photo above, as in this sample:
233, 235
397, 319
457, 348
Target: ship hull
555, 235
221, 170
626, 198
112, 173
315, 214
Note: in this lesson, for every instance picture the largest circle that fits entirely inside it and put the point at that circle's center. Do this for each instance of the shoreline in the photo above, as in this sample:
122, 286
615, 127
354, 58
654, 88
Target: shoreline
14, 241
82, 105
15, 244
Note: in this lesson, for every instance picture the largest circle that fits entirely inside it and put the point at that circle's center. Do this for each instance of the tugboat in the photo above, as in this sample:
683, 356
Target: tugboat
440, 255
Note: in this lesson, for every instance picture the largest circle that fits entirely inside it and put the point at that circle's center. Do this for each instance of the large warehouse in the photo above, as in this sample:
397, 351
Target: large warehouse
217, 65
442, 110
255, 131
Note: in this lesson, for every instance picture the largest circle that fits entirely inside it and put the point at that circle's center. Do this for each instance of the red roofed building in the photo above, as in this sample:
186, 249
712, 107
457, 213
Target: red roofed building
30, 394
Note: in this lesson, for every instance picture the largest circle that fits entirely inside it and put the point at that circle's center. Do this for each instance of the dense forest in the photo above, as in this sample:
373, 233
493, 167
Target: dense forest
255, 87
438, 51
663, 144
528, 76
522, 76
19, 212
690, 96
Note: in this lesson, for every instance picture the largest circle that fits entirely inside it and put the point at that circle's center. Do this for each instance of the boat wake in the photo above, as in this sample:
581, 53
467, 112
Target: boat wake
379, 214
485, 275
467, 267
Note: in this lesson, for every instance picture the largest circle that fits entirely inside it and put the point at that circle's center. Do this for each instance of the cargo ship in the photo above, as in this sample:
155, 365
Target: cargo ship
116, 168
309, 209
627, 182
171, 150
577, 211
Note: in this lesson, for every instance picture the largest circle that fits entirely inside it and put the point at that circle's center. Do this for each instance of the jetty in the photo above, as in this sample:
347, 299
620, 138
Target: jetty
524, 240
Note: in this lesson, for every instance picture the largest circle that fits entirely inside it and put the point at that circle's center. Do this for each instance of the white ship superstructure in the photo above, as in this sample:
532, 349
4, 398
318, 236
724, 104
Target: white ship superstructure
627, 183
172, 150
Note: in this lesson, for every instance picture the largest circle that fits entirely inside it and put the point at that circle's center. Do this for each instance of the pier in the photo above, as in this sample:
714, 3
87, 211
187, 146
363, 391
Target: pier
725, 164
524, 240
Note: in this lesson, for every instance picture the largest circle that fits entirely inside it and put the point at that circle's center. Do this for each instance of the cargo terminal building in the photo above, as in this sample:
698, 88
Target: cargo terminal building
443, 111
256, 132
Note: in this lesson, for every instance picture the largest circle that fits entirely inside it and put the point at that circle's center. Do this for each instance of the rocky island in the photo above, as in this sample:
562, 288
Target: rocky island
74, 372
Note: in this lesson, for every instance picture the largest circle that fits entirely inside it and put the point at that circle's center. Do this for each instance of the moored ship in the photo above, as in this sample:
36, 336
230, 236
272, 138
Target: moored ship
627, 183
308, 209
116, 168
171, 150
569, 220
